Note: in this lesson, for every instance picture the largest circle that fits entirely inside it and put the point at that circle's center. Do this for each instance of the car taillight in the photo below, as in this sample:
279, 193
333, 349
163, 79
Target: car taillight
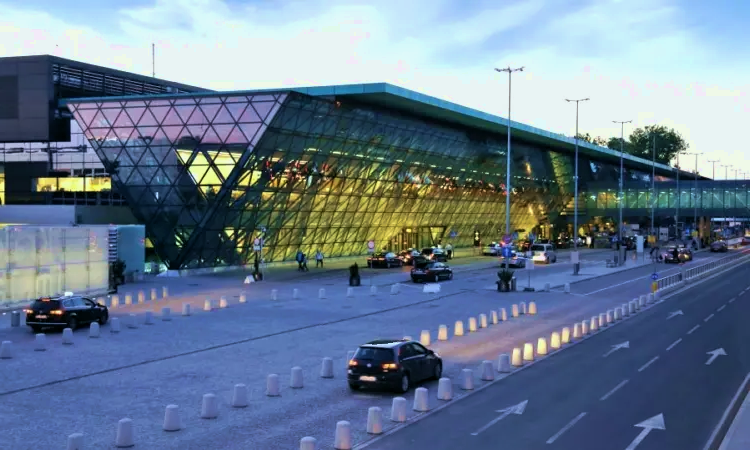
28, 311
390, 366
56, 312
352, 363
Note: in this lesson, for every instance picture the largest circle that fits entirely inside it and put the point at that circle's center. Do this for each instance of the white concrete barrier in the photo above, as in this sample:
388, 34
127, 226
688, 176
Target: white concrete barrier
467, 379
40, 342
164, 292
625, 310
610, 317
488, 372
657, 296
148, 318
272, 385
343, 438
577, 331
483, 321
373, 290
296, 381
374, 420
421, 400
431, 288
239, 396
516, 359
115, 302
522, 307
618, 314
514, 311
6, 350
424, 338
114, 325
141, 297
472, 324
637, 304
94, 330
249, 279
166, 312
67, 336
567, 288
395, 289
274, 295
584, 328
649, 298
632, 307
503, 363
503, 315
602, 320
172, 420
209, 407
295, 294
124, 437
458, 328
565, 337
642, 301
326, 368
532, 308
493, 317
554, 341
187, 310
207, 305
398, 410
128, 299
243, 297
547, 287
75, 441
154, 296
350, 292
445, 389
223, 302
541, 346
132, 321
308, 443
442, 333
528, 351
594, 325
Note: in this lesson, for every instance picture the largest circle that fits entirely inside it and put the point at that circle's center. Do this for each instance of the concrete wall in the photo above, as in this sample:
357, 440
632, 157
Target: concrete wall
26, 99
64, 215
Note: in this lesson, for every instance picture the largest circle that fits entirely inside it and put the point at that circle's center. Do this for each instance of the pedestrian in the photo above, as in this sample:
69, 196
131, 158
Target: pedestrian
299, 258
449, 250
318, 258
304, 263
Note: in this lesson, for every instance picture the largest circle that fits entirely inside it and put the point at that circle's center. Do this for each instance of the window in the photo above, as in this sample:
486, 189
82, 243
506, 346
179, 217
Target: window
88, 302
418, 349
374, 354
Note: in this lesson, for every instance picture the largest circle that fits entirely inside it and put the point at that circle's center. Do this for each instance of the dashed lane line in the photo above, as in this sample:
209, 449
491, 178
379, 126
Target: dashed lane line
674, 344
643, 367
720, 308
567, 427
693, 329
615, 389
709, 317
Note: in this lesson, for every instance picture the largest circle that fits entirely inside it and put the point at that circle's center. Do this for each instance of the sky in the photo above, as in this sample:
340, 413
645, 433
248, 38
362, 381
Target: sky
680, 63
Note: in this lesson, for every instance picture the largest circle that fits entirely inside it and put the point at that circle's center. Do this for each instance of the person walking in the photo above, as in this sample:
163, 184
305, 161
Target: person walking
449, 250
300, 257
304, 263
318, 258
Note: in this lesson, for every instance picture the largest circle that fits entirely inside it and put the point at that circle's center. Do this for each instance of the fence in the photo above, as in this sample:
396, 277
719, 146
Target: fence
678, 279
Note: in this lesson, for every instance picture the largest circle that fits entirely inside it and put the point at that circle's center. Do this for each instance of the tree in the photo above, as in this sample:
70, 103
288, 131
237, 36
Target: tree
593, 140
668, 143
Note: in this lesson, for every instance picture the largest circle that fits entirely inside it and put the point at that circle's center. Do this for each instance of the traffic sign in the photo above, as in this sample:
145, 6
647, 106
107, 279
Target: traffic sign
371, 246
506, 252
257, 244
453, 234
654, 276
507, 238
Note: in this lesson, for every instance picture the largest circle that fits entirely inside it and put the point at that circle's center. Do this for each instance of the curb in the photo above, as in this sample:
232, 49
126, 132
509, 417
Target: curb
716, 441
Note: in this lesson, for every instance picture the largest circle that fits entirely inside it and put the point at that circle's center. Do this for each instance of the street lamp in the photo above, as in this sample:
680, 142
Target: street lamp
509, 71
695, 191
724, 193
575, 179
622, 194
653, 186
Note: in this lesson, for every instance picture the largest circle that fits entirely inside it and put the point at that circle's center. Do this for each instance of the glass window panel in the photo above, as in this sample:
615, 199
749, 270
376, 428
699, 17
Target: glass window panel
160, 113
147, 119
223, 116
184, 112
198, 118
236, 109
263, 108
111, 114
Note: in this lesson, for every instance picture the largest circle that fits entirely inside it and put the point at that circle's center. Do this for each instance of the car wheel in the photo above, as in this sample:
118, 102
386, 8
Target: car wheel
72, 323
103, 317
354, 387
438, 371
405, 383
436, 278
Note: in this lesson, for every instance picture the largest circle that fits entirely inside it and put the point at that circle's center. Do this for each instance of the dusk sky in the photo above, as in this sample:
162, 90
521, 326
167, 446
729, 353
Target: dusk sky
680, 63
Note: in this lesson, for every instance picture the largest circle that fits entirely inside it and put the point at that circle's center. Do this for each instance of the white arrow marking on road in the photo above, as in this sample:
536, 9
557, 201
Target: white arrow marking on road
675, 314
515, 409
715, 354
654, 423
625, 344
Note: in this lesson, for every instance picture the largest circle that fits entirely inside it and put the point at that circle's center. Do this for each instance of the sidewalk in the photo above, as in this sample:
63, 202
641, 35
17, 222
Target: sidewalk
738, 435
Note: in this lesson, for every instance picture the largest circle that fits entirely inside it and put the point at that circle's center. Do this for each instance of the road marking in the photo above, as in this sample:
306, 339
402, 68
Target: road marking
566, 428
643, 367
609, 394
731, 300
625, 282
515, 409
671, 346
721, 307
693, 329
710, 316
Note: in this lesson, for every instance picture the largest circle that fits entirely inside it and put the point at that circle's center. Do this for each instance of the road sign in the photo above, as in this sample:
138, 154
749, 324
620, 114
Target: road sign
506, 252
654, 276
371, 246
257, 244
453, 234
507, 238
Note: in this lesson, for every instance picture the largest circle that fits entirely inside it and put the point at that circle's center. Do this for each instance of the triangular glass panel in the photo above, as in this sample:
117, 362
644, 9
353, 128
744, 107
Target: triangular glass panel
162, 178
148, 159
223, 131
236, 109
235, 135
124, 158
160, 102
84, 117
160, 138
184, 111
197, 118
159, 112
135, 113
99, 121
172, 133
147, 171
123, 120
262, 98
249, 130
250, 115
147, 119
172, 118
196, 131
211, 137
208, 100
223, 116
144, 134
225, 170
210, 110
123, 134
130, 103
185, 101
263, 108
111, 139
111, 115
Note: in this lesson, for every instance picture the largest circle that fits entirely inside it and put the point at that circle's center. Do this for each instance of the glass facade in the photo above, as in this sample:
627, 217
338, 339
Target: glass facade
709, 196
207, 174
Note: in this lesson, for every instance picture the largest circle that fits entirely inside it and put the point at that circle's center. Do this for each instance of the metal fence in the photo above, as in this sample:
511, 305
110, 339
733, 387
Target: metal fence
694, 272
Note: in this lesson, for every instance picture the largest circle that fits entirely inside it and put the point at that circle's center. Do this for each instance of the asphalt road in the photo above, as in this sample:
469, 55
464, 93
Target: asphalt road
580, 399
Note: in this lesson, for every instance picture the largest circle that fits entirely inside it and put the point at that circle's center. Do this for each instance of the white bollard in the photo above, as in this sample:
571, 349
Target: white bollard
503, 363
424, 338
223, 302
567, 288
493, 317
141, 297
547, 287
308, 443
296, 381
650, 298
164, 292
541, 346
148, 318
522, 306
503, 315
458, 328
445, 389
610, 317
67, 336
532, 308
472, 324
565, 338
554, 341
207, 305
209, 407
421, 400
166, 312
243, 298
633, 306
326, 368
516, 360
172, 418
483, 321
467, 379
131, 321
594, 325
625, 310
321, 294
154, 296
374, 420
442, 333
343, 437
398, 410
6, 350
239, 396
115, 301
514, 311
295, 293
637, 304
94, 331
618, 314
488, 373
584, 328
528, 351
373, 290
40, 342
394, 289
274, 295
350, 292
187, 309
272, 385
114, 325
642, 301
75, 441
576, 331
124, 436
128, 299
602, 320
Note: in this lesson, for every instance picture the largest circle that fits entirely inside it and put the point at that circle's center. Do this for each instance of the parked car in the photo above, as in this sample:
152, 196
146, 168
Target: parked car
435, 254
431, 271
408, 255
517, 259
683, 254
386, 260
64, 312
393, 364
492, 249
543, 253
719, 246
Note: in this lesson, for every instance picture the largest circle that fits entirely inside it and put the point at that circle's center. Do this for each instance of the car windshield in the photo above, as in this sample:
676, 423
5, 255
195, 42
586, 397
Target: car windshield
537, 248
374, 354
425, 265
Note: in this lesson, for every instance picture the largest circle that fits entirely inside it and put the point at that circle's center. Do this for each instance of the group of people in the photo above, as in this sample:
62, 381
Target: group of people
301, 259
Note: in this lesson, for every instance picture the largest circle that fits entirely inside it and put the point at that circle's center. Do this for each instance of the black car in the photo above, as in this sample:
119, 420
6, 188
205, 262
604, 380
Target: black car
393, 364
409, 256
431, 271
683, 254
386, 260
435, 254
64, 312
719, 246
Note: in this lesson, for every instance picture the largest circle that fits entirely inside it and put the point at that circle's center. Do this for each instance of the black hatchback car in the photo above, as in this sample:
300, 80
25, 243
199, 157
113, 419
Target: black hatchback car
64, 312
431, 271
386, 260
393, 364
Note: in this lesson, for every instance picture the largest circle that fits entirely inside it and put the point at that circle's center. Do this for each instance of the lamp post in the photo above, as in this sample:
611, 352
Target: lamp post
621, 194
734, 201
724, 193
653, 187
509, 71
695, 191
575, 189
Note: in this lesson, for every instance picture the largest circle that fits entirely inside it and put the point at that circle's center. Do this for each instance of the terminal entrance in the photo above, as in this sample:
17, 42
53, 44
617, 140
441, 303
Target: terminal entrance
417, 237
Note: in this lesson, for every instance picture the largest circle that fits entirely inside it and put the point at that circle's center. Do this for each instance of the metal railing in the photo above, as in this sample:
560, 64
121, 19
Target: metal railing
692, 273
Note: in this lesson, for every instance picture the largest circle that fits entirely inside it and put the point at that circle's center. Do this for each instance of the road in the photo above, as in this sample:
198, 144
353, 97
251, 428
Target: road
580, 399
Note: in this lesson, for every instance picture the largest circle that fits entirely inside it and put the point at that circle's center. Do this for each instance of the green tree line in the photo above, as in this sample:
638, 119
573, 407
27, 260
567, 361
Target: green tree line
640, 143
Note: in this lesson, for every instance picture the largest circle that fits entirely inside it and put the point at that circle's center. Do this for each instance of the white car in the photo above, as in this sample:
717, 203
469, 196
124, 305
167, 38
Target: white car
493, 249
544, 253
517, 259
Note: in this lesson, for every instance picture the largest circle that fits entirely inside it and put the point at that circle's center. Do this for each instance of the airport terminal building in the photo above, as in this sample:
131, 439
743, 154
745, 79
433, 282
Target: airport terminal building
330, 168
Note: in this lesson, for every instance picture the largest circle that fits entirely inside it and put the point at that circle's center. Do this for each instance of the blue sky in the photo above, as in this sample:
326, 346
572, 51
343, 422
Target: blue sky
682, 63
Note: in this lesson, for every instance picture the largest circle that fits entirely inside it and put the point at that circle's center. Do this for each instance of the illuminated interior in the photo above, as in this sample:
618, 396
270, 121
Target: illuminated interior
2, 186
73, 184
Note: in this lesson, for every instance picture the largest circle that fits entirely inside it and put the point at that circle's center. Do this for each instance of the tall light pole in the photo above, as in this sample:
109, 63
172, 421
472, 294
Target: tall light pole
713, 168
734, 210
575, 179
509, 71
724, 193
621, 194
695, 191
653, 187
